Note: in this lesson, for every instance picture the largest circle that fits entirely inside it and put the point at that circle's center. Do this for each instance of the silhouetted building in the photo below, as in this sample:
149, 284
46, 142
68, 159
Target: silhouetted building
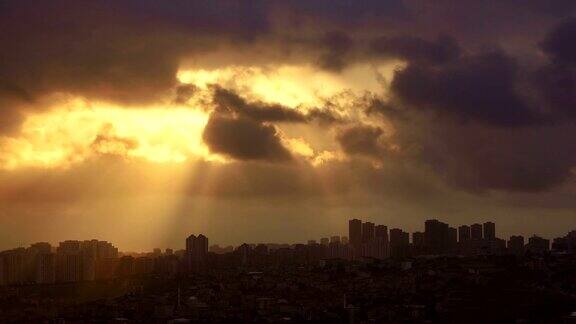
45, 268
335, 239
381, 231
463, 233
538, 245
418, 239
566, 244
489, 231
367, 232
399, 243
196, 252
435, 236
452, 238
12, 266
41, 247
344, 240
516, 244
476, 231
355, 232
69, 261
324, 241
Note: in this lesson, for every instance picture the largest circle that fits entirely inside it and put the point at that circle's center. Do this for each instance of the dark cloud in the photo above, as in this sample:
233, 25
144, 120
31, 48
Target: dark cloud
184, 93
349, 13
386, 109
556, 83
231, 103
337, 45
478, 88
559, 43
415, 49
361, 140
487, 158
227, 101
244, 139
324, 116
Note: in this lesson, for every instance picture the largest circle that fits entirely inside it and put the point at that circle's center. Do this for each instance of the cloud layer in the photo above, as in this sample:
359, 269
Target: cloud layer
416, 98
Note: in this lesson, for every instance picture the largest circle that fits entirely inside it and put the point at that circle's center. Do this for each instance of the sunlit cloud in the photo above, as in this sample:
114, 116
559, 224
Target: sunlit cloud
292, 85
77, 130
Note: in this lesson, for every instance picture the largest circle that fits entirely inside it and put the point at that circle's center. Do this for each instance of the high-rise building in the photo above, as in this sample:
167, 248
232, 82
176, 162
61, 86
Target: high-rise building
13, 264
42, 262
41, 247
463, 233
335, 239
396, 237
538, 245
344, 239
567, 243
196, 252
435, 236
69, 261
476, 231
381, 231
399, 243
367, 232
324, 241
418, 239
45, 268
452, 237
355, 232
516, 244
489, 231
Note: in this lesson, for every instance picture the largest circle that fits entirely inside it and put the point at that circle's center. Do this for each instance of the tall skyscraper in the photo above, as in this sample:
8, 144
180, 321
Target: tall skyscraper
398, 237
45, 268
418, 239
367, 232
12, 264
452, 237
476, 231
463, 233
538, 245
489, 231
69, 261
355, 232
435, 236
42, 262
516, 244
196, 252
399, 243
381, 232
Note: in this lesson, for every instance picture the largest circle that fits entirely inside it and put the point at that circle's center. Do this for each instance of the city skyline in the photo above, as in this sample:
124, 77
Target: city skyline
464, 232
93, 260
343, 233
93, 279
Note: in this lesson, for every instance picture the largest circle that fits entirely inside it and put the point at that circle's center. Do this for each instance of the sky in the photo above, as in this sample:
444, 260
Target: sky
143, 121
